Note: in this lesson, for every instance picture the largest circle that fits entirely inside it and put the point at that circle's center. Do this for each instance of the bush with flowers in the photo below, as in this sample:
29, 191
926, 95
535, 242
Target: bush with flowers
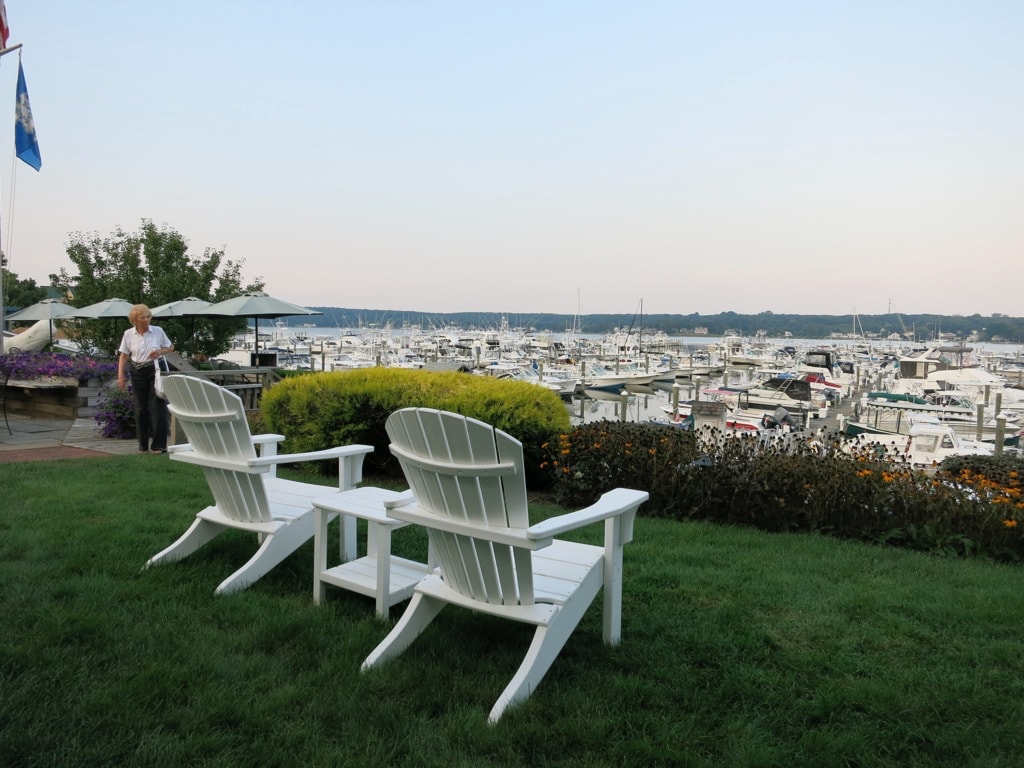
115, 413
38, 365
965, 507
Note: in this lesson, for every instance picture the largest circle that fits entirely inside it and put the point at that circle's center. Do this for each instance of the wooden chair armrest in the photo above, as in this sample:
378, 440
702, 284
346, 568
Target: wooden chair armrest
621, 501
350, 461
338, 452
267, 437
266, 445
185, 454
405, 498
515, 537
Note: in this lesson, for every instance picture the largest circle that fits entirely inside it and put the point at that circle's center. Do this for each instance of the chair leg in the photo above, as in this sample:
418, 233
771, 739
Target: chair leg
274, 548
547, 643
612, 623
421, 611
199, 533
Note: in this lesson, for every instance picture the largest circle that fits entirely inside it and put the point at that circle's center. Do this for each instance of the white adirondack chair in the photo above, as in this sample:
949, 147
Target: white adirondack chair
469, 492
247, 493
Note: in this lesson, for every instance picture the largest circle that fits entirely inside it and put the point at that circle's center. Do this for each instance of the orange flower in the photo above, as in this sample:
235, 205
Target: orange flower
1010, 523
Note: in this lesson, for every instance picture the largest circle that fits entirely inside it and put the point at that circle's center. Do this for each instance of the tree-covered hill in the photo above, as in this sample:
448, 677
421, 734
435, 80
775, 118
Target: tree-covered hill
911, 327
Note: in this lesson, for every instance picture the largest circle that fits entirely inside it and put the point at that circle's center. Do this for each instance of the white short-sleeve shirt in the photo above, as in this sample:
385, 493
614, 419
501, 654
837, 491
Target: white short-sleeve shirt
139, 345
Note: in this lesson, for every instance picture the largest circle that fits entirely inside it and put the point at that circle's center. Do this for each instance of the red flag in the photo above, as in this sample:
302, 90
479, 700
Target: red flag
5, 32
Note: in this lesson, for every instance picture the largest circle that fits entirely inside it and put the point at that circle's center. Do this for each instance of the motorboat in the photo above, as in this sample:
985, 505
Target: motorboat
892, 412
927, 443
793, 394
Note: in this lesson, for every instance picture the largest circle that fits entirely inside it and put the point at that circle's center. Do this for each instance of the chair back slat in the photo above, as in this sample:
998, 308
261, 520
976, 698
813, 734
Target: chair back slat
437, 451
214, 423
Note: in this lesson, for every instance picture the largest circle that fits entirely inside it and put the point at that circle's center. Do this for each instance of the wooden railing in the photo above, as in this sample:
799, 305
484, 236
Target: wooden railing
248, 383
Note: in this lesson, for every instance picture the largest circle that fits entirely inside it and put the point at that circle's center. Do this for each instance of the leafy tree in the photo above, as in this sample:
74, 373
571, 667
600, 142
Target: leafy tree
21, 293
152, 266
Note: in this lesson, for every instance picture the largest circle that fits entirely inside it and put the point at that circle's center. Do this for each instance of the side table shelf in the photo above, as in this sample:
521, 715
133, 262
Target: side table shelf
364, 575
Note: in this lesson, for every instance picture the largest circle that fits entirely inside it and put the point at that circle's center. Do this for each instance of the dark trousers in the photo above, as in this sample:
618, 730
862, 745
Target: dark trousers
150, 411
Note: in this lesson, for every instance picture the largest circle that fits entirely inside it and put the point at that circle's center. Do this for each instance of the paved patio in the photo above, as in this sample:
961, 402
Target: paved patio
35, 438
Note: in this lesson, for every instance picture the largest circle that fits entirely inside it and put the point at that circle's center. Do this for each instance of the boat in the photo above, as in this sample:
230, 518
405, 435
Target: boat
979, 384
602, 378
825, 367
927, 443
793, 394
888, 412
733, 420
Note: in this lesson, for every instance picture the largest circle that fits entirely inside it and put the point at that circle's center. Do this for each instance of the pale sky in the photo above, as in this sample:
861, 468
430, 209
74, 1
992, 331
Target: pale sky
523, 156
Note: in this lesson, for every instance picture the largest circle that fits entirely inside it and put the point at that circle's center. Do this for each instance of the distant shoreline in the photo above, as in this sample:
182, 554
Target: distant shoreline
916, 328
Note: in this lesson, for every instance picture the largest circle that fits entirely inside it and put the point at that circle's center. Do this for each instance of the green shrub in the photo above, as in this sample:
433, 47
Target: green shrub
343, 407
796, 485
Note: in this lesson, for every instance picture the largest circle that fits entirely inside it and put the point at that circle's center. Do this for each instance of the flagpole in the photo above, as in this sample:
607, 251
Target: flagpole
3, 256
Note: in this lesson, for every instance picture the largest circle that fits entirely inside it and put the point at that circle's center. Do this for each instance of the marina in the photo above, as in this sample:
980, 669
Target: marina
814, 385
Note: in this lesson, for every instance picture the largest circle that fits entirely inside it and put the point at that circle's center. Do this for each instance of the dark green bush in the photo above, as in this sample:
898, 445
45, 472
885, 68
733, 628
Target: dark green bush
790, 484
1003, 468
343, 407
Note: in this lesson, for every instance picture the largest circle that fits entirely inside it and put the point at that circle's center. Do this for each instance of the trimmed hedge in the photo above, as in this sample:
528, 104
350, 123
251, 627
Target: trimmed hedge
343, 407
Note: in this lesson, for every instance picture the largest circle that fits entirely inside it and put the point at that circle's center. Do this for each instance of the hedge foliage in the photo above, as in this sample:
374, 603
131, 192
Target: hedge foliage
343, 407
969, 506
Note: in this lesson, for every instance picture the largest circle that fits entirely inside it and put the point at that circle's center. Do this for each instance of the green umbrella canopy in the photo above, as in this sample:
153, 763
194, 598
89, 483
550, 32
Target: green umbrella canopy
105, 309
257, 305
47, 309
188, 307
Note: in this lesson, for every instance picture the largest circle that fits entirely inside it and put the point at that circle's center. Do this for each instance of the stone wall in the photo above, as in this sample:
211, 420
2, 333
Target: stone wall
55, 399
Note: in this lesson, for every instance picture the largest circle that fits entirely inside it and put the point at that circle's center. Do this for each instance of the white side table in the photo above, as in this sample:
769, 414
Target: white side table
378, 573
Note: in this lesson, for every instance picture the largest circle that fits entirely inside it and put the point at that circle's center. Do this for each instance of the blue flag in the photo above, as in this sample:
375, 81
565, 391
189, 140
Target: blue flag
25, 144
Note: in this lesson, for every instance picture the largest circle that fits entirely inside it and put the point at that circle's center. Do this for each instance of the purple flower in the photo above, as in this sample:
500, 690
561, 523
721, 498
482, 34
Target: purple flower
115, 412
43, 365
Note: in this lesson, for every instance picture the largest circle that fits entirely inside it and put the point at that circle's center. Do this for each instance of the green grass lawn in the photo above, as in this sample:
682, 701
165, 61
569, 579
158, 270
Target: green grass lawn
739, 649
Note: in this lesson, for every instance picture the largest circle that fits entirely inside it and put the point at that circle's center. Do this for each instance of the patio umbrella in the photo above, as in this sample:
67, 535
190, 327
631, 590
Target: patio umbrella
107, 308
47, 309
191, 307
257, 305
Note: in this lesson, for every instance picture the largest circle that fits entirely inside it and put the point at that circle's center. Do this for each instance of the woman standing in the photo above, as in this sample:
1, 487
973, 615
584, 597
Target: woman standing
141, 346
